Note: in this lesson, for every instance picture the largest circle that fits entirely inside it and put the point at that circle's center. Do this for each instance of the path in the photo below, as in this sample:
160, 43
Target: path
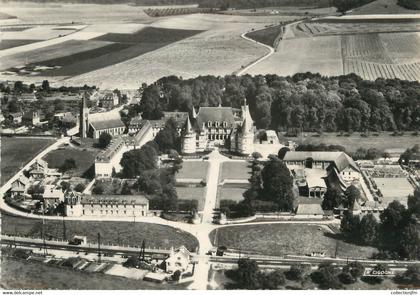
262, 58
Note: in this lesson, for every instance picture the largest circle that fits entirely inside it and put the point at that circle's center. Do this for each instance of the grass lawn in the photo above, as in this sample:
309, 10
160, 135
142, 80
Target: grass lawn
193, 170
384, 141
22, 274
128, 233
17, 151
84, 158
394, 189
230, 193
283, 239
192, 193
235, 170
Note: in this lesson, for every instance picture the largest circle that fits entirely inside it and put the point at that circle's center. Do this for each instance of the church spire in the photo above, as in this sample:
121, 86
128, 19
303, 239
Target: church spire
194, 113
189, 126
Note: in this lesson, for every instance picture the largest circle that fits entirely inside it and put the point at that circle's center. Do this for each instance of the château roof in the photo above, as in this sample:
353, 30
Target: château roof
215, 114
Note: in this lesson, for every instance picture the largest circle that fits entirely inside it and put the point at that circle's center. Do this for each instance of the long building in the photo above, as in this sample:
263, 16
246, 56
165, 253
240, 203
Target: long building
77, 205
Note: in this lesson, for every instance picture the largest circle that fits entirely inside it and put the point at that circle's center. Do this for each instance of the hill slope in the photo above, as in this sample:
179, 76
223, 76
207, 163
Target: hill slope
383, 7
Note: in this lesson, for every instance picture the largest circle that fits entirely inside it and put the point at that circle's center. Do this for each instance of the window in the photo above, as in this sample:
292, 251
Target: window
209, 124
83, 212
134, 206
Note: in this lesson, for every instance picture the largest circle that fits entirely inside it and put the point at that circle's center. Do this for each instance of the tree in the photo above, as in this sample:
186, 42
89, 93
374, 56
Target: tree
410, 242
136, 161
352, 194
410, 276
272, 280
377, 274
368, 229
327, 277
176, 275
282, 152
80, 187
332, 198
298, 272
413, 203
355, 268
98, 189
256, 155
278, 184
350, 226
104, 140
45, 85
65, 186
18, 86
168, 138
247, 274
392, 221
68, 164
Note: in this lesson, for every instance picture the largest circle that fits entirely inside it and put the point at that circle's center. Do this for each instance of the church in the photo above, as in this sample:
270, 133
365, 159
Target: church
218, 126
94, 124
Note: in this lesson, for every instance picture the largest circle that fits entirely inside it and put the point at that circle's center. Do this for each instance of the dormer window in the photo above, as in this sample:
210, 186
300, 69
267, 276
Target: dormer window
208, 124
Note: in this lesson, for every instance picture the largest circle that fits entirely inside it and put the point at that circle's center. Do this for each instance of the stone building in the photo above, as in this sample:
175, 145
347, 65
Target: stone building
218, 126
106, 205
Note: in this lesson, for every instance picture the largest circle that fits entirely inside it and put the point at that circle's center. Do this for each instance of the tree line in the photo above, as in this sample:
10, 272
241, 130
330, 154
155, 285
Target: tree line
396, 233
303, 102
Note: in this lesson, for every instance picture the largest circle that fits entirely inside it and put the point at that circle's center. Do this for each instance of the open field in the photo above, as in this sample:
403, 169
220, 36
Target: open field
317, 55
192, 193
116, 47
235, 171
266, 36
394, 189
21, 274
381, 142
5, 44
284, 239
382, 7
17, 151
193, 170
127, 233
84, 158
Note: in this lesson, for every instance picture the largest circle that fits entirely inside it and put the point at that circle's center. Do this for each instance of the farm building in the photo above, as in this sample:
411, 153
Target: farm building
52, 195
19, 186
178, 260
336, 168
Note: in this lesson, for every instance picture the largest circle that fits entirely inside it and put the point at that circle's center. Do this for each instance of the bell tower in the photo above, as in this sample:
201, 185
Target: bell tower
84, 117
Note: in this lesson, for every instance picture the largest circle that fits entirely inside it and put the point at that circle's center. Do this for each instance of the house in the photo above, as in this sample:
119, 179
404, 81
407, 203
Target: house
31, 118
157, 125
52, 195
106, 205
16, 118
38, 169
19, 186
178, 260
108, 100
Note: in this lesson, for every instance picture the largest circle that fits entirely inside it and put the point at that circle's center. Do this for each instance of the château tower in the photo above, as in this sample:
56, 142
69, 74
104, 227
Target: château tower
84, 117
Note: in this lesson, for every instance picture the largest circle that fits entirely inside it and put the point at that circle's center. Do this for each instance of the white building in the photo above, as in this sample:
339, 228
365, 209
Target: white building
178, 260
106, 205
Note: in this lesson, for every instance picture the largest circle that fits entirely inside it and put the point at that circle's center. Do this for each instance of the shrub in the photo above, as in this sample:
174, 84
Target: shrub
80, 187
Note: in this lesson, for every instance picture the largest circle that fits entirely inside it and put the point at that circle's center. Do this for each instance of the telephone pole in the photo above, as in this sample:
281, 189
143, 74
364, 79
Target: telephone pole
43, 231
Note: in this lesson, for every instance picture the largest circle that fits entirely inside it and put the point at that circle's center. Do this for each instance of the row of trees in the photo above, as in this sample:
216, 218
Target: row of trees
306, 102
396, 233
327, 276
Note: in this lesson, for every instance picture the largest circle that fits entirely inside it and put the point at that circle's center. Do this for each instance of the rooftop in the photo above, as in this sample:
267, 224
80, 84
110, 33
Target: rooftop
215, 114
340, 159
118, 199
107, 124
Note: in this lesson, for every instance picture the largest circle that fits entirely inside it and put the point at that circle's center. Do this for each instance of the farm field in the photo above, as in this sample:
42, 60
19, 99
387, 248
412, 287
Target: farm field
128, 233
267, 36
17, 151
5, 44
381, 142
287, 239
317, 55
382, 7
21, 274
193, 170
84, 159
218, 51
116, 47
